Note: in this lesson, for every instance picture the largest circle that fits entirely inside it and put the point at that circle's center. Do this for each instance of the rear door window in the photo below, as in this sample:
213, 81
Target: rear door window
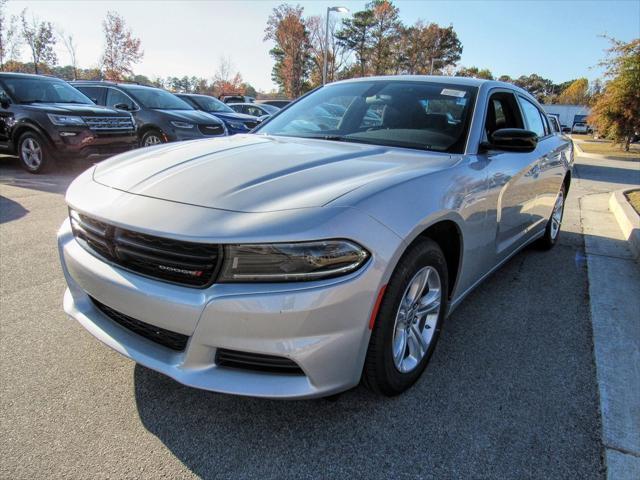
533, 117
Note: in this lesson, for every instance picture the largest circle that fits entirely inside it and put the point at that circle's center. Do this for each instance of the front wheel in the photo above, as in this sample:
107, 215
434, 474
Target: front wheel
408, 323
34, 153
150, 138
552, 231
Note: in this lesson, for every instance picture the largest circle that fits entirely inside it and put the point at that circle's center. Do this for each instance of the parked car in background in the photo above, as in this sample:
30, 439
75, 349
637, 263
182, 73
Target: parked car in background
44, 119
302, 259
255, 109
275, 103
580, 125
234, 121
159, 115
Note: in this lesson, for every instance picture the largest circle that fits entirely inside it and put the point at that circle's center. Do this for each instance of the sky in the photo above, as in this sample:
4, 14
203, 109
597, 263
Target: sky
559, 40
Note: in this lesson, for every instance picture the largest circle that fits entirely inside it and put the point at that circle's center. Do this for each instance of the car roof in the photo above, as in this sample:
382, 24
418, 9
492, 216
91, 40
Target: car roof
243, 103
109, 83
28, 75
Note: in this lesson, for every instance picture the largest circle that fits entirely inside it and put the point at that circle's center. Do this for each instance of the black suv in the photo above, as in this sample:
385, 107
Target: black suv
159, 115
44, 119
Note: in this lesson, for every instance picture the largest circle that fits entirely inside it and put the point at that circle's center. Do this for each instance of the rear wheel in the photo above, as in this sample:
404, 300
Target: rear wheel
408, 324
552, 231
34, 153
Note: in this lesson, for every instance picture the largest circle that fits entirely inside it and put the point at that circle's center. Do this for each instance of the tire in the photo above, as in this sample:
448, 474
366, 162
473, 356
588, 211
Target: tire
35, 153
391, 364
151, 137
552, 230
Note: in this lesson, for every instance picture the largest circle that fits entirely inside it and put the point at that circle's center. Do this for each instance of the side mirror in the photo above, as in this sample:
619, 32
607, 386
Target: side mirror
4, 102
512, 140
121, 106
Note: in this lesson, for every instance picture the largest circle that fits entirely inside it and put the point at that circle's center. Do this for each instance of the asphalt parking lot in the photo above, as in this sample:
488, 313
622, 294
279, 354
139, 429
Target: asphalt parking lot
510, 393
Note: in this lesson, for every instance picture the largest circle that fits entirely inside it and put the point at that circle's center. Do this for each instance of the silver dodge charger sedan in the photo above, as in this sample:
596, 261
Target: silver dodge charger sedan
323, 250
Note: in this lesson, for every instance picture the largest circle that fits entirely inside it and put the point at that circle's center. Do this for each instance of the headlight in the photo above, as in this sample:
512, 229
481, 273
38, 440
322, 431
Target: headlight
66, 120
181, 124
291, 262
237, 125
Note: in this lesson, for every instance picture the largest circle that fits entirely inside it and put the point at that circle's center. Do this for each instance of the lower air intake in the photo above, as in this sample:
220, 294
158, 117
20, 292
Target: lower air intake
166, 338
257, 362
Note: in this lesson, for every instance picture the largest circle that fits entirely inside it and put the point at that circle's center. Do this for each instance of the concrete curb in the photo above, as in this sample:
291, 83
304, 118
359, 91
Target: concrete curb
627, 218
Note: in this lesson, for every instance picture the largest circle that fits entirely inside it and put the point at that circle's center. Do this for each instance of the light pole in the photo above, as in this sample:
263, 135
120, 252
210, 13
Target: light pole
326, 39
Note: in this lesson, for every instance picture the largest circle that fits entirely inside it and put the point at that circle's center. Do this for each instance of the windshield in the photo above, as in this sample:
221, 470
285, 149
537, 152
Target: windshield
150, 97
422, 115
43, 90
210, 104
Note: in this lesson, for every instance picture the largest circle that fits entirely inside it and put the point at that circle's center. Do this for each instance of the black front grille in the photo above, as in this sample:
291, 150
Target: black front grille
185, 263
250, 124
166, 338
211, 129
256, 361
109, 123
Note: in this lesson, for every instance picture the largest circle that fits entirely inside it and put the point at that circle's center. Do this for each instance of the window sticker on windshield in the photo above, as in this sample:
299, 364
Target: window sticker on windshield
453, 93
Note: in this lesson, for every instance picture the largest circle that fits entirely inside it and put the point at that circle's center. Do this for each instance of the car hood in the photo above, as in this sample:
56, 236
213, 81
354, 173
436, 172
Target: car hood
193, 116
257, 173
73, 108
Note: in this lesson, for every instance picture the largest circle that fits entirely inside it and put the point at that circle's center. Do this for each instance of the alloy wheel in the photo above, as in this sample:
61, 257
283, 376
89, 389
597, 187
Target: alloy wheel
31, 153
416, 319
152, 140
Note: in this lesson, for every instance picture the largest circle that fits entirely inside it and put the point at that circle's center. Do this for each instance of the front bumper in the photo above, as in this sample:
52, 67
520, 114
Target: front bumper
84, 143
321, 326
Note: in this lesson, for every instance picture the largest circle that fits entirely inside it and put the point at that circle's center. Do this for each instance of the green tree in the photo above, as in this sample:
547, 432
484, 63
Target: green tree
475, 72
41, 39
616, 111
427, 48
356, 35
385, 32
536, 85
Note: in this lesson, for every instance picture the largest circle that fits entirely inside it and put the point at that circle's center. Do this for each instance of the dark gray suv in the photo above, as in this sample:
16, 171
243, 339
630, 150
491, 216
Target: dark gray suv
159, 115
